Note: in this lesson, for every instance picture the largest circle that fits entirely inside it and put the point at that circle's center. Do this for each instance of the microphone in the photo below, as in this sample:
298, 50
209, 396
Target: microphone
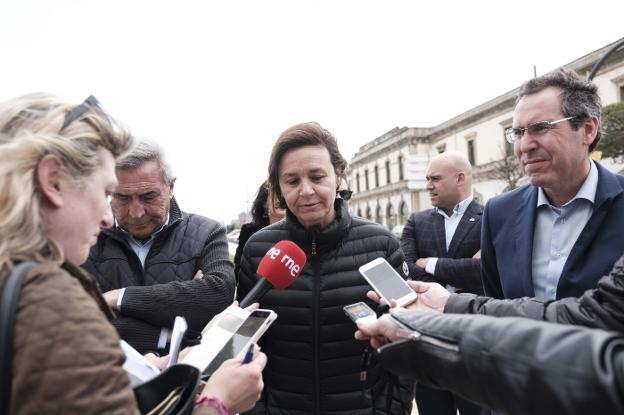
278, 269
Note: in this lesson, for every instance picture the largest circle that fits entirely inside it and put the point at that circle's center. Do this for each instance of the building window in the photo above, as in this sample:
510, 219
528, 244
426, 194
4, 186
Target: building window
366, 179
378, 214
403, 213
621, 93
471, 151
441, 148
390, 216
387, 172
357, 181
507, 146
400, 167
376, 176
359, 212
368, 213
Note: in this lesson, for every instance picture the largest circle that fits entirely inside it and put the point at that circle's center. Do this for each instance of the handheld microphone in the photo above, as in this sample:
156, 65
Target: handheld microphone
278, 269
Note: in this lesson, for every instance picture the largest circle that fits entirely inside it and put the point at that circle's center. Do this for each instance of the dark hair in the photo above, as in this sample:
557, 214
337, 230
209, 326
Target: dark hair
259, 212
579, 97
301, 135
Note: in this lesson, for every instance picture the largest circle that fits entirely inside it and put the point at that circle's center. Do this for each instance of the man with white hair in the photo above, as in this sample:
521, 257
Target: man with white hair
158, 262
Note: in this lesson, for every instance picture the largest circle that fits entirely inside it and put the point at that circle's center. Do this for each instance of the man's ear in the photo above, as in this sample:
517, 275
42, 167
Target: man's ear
461, 177
171, 183
590, 130
50, 177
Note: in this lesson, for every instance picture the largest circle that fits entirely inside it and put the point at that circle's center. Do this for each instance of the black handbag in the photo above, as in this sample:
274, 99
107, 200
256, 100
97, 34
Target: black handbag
171, 392
8, 303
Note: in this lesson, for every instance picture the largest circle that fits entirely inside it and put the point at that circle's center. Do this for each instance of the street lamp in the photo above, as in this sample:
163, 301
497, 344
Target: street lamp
604, 58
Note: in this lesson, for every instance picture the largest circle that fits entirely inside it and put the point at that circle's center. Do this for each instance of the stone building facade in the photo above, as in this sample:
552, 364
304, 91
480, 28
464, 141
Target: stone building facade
387, 175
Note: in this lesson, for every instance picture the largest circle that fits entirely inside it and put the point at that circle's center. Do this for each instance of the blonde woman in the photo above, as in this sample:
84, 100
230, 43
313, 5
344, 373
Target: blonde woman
56, 175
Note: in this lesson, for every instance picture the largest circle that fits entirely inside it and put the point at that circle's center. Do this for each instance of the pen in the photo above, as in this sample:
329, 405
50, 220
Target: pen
249, 354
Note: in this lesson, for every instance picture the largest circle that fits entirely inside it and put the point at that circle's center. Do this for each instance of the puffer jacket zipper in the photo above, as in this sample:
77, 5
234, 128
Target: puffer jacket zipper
316, 267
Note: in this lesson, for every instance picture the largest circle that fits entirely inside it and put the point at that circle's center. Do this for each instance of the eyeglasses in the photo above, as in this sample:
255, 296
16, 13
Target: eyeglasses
536, 129
90, 103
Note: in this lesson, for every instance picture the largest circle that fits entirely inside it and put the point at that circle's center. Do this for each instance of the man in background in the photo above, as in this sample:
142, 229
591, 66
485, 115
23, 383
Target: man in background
443, 244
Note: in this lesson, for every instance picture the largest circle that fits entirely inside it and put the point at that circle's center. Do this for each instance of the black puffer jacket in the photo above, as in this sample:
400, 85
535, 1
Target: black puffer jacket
515, 366
165, 288
314, 362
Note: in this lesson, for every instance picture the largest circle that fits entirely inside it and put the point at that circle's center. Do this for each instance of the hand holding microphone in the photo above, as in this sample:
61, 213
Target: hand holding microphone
278, 269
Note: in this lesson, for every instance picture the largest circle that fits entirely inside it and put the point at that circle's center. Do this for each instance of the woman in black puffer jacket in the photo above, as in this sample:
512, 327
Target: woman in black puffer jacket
314, 362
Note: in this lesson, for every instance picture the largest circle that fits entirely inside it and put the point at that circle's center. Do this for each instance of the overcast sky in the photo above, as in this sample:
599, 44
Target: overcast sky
216, 82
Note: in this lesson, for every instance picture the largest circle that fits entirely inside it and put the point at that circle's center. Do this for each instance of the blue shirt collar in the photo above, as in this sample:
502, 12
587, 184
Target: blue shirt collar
459, 208
587, 190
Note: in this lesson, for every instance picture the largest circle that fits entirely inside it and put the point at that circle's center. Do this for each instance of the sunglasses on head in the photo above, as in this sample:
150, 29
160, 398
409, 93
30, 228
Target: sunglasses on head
90, 103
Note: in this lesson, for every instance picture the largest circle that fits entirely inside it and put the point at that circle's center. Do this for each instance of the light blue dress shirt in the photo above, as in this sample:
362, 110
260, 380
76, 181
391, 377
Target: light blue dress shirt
141, 250
556, 232
450, 226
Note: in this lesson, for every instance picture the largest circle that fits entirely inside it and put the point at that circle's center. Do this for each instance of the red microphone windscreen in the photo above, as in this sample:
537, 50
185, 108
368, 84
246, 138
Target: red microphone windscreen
282, 264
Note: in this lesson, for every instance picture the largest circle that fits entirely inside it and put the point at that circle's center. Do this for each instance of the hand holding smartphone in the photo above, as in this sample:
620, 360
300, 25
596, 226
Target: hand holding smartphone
215, 335
387, 282
243, 339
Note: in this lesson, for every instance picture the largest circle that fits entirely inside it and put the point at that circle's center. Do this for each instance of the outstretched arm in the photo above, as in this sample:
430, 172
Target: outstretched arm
515, 366
601, 307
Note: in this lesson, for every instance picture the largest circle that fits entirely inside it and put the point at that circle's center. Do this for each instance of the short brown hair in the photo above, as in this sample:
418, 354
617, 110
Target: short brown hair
579, 97
301, 135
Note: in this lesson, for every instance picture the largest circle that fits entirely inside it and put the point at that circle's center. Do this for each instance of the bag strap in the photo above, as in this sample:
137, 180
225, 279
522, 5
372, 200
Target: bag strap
8, 304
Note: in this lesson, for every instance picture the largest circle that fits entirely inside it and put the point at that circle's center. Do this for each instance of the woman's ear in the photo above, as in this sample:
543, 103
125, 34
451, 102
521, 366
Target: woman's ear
50, 179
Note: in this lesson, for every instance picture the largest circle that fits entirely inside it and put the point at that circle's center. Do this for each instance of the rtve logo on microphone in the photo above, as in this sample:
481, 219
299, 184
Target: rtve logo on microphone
288, 262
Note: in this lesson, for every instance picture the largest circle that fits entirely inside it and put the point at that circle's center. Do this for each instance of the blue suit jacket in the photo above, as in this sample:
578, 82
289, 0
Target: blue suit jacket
507, 241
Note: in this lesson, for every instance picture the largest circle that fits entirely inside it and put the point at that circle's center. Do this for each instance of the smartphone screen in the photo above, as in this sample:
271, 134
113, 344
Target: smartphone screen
214, 336
387, 282
359, 310
246, 334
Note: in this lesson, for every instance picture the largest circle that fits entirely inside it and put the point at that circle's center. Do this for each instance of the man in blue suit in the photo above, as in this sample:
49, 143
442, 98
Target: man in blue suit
442, 245
556, 236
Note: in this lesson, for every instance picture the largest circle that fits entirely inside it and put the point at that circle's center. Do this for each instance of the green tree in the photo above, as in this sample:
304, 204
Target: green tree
612, 142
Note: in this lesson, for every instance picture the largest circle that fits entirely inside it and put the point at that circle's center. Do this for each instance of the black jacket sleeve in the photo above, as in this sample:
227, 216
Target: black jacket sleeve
516, 366
602, 307
410, 250
139, 334
462, 273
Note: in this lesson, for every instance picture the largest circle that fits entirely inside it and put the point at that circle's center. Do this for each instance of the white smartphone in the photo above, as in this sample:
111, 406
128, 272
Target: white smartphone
387, 282
244, 338
359, 311
177, 335
215, 335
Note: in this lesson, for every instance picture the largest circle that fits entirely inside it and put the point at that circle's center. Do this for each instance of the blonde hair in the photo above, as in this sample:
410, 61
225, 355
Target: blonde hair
31, 126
